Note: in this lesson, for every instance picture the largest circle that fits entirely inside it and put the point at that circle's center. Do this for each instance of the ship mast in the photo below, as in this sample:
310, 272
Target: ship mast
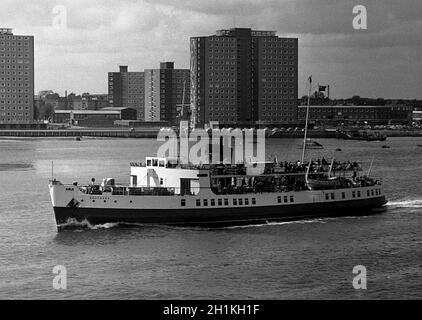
183, 99
306, 121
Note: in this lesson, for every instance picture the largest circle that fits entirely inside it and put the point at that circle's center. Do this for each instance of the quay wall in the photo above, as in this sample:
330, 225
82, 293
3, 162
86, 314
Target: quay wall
79, 133
152, 133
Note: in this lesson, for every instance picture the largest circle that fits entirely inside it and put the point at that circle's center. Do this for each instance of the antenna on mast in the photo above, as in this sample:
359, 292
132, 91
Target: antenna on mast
370, 167
306, 121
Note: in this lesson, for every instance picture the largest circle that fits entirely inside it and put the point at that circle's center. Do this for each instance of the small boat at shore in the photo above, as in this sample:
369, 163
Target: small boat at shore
311, 144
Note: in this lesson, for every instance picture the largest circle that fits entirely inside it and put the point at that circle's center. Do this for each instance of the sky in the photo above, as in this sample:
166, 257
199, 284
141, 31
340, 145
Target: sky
76, 53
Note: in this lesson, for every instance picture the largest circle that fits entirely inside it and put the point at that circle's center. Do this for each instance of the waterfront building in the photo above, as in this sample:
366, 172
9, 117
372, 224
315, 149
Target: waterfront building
126, 90
167, 93
94, 118
16, 77
349, 114
243, 77
94, 101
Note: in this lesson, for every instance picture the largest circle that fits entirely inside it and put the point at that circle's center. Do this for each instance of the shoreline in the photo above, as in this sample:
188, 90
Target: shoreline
152, 134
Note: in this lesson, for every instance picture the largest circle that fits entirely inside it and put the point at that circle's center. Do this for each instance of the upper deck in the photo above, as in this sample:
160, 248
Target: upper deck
164, 176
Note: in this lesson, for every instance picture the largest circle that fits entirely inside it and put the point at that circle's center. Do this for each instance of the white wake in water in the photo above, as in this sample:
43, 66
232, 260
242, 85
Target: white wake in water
301, 221
406, 203
85, 224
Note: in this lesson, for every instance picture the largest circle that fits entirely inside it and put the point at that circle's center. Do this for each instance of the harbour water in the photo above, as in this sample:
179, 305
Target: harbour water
307, 259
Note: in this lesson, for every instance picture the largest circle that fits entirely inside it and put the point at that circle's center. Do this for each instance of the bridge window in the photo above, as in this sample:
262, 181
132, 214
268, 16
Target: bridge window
205, 202
240, 202
353, 194
279, 199
343, 195
198, 202
246, 201
212, 202
285, 199
161, 181
220, 202
327, 196
226, 202
332, 196
367, 193
183, 202
359, 193
235, 202
292, 198
253, 201
372, 192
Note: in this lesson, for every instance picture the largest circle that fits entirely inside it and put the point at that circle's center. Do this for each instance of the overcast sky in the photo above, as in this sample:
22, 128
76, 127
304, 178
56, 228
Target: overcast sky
382, 61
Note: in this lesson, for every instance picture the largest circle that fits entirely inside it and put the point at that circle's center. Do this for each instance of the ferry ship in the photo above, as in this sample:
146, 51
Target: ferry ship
164, 192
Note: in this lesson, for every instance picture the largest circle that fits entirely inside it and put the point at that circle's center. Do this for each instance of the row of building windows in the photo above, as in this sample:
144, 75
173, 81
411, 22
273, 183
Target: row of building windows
278, 51
222, 64
13, 84
12, 37
13, 49
12, 67
14, 79
14, 90
285, 102
274, 57
14, 44
284, 62
278, 108
19, 73
14, 55
279, 68
13, 96
21, 114
26, 61
279, 45
13, 107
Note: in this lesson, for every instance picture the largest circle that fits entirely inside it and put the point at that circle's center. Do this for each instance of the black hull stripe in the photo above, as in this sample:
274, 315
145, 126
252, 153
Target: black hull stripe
219, 216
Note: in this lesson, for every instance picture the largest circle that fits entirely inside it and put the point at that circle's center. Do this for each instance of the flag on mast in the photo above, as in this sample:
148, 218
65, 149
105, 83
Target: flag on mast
322, 88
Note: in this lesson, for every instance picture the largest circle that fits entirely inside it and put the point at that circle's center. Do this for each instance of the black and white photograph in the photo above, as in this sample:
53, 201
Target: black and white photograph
236, 151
